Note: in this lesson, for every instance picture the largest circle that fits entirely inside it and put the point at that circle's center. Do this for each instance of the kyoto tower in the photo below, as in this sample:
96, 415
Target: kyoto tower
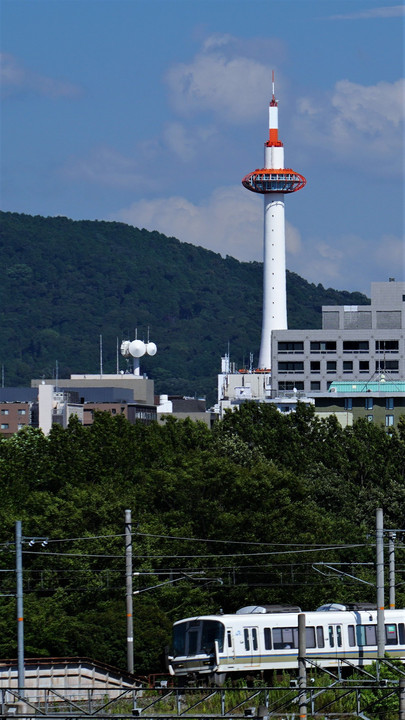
273, 181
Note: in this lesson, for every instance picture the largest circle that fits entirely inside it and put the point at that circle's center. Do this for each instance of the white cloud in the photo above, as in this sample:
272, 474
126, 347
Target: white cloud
221, 79
217, 40
345, 261
229, 222
186, 143
14, 77
372, 13
390, 255
374, 109
358, 125
105, 166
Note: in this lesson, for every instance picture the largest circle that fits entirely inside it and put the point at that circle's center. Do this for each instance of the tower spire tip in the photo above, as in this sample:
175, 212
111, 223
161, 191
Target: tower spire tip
273, 97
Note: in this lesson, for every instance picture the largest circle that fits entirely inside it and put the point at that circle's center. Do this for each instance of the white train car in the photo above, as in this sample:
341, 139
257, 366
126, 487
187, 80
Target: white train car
256, 640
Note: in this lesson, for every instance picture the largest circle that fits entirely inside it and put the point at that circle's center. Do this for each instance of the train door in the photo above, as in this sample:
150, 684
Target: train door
251, 645
230, 645
335, 639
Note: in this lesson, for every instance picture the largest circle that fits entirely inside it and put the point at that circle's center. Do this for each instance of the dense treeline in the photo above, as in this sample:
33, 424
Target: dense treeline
65, 283
239, 514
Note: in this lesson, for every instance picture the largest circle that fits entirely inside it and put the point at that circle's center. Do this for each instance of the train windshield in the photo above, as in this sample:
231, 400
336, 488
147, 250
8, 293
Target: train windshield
196, 637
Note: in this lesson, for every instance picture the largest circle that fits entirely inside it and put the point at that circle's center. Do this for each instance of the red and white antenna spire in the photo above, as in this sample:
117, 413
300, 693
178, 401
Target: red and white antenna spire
273, 119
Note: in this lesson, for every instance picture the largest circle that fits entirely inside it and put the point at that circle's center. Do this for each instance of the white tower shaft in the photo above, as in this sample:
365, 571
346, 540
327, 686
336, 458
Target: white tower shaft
274, 277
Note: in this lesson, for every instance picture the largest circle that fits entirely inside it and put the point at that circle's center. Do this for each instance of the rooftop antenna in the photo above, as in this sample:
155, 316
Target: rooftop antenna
2, 376
118, 359
101, 356
56, 374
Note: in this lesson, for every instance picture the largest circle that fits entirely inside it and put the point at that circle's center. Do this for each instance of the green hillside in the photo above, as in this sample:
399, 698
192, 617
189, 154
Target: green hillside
65, 283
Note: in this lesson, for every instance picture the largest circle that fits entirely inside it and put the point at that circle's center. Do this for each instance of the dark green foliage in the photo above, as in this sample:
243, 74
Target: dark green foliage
238, 515
64, 283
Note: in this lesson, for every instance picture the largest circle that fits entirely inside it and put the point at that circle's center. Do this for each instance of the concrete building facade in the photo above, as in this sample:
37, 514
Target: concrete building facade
14, 416
355, 343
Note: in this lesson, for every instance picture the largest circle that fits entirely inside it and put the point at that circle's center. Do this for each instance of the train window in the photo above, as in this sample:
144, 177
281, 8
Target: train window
391, 637
283, 638
179, 639
247, 643
229, 636
352, 639
331, 636
401, 633
371, 635
319, 636
267, 638
254, 638
211, 631
192, 641
366, 635
339, 635
310, 637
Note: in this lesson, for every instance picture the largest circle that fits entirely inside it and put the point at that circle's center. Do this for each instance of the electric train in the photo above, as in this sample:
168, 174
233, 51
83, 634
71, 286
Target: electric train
259, 639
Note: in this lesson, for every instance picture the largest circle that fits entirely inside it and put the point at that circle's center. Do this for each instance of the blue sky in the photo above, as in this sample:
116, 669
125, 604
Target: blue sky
151, 111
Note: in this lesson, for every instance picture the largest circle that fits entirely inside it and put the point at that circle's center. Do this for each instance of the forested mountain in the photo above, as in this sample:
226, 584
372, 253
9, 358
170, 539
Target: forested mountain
257, 510
65, 283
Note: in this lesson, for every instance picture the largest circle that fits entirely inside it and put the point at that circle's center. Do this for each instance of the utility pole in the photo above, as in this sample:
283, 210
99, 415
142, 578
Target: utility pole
302, 671
402, 698
128, 584
391, 558
20, 608
380, 583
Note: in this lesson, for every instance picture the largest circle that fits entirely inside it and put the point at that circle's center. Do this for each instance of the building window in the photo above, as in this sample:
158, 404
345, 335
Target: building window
290, 385
364, 366
323, 347
22, 412
389, 420
315, 366
315, 385
4, 412
369, 418
4, 426
355, 346
386, 346
389, 403
387, 365
291, 347
368, 403
113, 411
348, 403
331, 366
290, 367
347, 366
20, 426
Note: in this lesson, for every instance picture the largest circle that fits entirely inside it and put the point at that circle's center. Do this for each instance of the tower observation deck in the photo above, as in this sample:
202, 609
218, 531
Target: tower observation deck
273, 181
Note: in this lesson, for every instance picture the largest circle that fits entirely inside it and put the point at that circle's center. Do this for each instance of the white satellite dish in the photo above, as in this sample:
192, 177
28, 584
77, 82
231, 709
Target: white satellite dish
137, 348
151, 348
125, 348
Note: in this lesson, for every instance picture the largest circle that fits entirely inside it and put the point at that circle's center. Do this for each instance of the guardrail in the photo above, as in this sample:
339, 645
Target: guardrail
324, 695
